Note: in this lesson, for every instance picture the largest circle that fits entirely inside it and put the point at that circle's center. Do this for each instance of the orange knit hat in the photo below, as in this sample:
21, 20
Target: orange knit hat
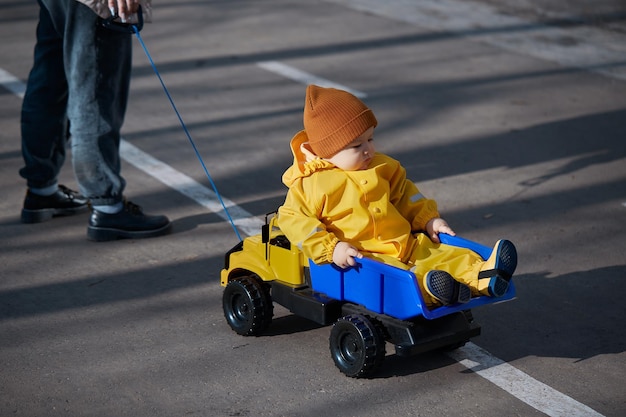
334, 118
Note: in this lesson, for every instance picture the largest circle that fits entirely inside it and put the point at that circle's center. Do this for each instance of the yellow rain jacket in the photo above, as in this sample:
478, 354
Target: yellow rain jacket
377, 210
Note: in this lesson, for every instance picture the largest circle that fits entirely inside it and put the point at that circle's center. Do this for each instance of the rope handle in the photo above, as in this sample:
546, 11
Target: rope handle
136, 30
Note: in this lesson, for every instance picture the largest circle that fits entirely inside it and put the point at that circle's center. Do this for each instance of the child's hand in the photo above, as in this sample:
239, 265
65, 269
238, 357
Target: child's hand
436, 226
344, 254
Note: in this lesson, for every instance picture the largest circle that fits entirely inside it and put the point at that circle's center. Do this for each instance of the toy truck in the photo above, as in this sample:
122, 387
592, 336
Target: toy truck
368, 305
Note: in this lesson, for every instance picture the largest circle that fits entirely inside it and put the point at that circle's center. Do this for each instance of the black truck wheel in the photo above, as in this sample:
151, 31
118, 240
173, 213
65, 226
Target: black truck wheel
357, 345
247, 306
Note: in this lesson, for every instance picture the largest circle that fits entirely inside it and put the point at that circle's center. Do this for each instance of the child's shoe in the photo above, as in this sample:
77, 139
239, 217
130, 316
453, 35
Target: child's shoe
441, 286
497, 271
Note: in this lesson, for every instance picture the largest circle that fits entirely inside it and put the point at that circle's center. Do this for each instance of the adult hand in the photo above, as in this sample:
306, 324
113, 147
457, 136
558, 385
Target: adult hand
125, 8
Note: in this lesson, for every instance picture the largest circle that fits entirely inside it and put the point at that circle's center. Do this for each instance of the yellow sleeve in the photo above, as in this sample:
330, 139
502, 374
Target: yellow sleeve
409, 201
298, 218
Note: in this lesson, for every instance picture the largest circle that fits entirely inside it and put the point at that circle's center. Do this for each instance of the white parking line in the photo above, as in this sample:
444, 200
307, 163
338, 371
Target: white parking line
522, 386
305, 77
526, 388
245, 222
12, 83
577, 46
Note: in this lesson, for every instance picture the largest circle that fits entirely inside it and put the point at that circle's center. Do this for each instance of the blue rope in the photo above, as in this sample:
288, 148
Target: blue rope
206, 171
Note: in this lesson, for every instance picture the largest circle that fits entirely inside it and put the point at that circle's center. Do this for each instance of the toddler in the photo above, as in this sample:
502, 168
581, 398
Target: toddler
346, 201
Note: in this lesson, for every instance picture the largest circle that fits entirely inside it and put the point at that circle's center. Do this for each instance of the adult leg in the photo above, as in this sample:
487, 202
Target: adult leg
98, 66
44, 122
44, 128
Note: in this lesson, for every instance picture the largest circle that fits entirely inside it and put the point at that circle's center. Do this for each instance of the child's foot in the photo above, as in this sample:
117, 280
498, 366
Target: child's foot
441, 286
497, 271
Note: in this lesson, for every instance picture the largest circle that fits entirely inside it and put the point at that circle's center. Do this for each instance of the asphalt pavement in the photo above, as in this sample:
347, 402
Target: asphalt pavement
511, 115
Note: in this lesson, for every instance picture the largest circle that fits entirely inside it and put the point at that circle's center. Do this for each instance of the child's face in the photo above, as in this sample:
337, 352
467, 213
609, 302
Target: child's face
357, 154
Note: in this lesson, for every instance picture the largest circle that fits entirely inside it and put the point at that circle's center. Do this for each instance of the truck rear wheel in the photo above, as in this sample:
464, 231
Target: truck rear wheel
247, 306
357, 345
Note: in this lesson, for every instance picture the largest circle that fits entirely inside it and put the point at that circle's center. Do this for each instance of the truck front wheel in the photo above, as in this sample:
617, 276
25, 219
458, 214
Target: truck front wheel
357, 345
247, 306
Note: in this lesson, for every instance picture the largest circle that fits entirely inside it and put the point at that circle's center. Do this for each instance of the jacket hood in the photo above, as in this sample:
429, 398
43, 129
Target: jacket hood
305, 162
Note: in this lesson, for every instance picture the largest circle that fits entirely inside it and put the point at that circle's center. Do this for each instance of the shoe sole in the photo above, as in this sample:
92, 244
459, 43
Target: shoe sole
42, 215
101, 234
499, 277
446, 289
507, 259
465, 293
498, 286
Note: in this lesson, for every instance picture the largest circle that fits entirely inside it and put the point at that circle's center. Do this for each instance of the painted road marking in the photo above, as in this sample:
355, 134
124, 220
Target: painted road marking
245, 222
577, 46
12, 83
304, 77
522, 386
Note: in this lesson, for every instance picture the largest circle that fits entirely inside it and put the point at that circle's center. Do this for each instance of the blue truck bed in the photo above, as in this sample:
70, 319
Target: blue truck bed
389, 290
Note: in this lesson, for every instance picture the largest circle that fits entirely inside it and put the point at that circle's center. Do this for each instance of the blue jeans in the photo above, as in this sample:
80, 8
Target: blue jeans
77, 91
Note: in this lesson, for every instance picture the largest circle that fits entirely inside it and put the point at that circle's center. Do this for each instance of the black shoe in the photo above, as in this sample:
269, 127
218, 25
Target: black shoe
130, 223
64, 202
446, 289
